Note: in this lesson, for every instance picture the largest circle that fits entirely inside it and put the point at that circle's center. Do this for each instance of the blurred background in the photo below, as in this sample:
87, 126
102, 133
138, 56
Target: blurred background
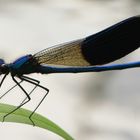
99, 106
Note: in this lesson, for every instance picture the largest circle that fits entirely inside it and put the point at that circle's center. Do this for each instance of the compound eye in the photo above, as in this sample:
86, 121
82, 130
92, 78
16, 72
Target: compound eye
3, 67
2, 62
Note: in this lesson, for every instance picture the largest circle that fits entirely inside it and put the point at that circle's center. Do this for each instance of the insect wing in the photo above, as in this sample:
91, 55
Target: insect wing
101, 48
67, 54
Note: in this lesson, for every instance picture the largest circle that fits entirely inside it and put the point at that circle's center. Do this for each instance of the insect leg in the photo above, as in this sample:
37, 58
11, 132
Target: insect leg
10, 89
32, 89
3, 79
28, 97
32, 81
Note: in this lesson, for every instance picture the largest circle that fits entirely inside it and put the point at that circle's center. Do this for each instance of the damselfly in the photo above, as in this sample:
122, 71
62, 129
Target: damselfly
89, 54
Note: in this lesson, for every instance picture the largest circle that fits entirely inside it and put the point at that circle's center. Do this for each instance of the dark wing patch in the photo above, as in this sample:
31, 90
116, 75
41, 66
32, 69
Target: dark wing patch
112, 43
101, 48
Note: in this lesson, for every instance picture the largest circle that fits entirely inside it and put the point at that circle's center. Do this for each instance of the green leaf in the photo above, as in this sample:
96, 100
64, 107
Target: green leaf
22, 116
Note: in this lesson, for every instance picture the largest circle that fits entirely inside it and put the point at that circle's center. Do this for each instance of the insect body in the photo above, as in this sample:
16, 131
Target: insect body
83, 55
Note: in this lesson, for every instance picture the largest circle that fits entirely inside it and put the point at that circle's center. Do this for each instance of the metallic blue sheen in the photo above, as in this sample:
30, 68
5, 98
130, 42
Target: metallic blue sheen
20, 61
110, 45
46, 69
1, 62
